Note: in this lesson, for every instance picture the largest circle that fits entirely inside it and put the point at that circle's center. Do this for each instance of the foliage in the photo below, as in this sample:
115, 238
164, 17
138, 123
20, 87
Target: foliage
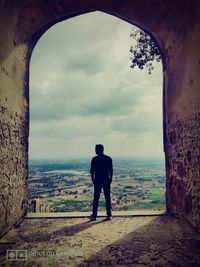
144, 52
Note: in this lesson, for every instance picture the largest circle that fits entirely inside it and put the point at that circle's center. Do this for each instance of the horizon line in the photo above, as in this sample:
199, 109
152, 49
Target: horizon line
86, 158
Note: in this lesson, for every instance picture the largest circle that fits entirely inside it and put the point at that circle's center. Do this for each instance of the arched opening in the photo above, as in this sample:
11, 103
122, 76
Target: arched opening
127, 110
175, 25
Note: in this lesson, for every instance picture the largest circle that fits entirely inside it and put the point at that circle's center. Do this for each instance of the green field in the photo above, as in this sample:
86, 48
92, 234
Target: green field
155, 199
67, 187
68, 205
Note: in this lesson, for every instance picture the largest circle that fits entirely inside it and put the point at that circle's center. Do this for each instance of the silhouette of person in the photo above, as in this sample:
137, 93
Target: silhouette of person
101, 173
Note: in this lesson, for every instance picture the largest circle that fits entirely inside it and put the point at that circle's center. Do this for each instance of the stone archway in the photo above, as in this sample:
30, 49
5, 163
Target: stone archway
174, 24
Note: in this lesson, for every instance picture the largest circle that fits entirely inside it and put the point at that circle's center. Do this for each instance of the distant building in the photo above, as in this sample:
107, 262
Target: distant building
38, 209
47, 208
32, 205
35, 206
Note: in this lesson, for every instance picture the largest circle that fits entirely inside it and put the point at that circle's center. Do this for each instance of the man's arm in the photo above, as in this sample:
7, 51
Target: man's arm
92, 170
111, 170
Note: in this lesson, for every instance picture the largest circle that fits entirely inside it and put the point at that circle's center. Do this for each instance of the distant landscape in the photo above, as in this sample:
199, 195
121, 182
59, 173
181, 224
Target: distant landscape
65, 186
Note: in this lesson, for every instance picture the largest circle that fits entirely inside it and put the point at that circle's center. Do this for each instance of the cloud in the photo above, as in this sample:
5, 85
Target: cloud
83, 91
77, 126
138, 123
83, 97
87, 62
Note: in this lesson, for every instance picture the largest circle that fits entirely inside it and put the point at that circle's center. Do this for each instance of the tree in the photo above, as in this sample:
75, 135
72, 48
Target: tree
144, 52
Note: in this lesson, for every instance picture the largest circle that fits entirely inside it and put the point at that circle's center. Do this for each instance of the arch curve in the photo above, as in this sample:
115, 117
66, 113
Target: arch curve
175, 26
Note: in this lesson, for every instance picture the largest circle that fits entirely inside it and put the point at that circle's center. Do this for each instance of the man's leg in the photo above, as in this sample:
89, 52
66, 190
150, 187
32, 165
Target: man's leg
106, 189
97, 192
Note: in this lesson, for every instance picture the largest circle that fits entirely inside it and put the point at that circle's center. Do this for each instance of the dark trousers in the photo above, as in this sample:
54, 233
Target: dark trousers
97, 192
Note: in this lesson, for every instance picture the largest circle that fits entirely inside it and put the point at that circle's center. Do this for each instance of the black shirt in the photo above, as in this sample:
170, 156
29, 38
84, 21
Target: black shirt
101, 168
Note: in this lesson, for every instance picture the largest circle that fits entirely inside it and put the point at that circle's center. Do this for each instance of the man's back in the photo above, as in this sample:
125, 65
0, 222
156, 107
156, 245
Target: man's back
101, 167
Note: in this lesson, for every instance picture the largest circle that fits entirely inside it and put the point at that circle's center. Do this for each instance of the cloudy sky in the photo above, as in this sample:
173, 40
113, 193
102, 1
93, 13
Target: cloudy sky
83, 92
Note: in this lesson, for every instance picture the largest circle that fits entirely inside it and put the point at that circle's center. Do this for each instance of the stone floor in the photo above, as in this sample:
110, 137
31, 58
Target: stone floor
124, 241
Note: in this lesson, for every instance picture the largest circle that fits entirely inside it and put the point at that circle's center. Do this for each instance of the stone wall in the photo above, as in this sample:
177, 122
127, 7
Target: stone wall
175, 24
13, 124
183, 135
183, 171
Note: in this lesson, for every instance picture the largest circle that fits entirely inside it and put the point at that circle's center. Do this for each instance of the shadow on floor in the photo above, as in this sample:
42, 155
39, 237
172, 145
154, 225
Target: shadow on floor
164, 242
40, 235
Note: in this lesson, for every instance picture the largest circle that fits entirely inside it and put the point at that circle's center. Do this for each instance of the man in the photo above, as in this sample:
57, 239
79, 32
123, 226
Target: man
101, 173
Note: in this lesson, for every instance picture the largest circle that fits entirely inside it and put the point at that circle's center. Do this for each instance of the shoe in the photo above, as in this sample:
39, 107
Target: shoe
92, 218
108, 218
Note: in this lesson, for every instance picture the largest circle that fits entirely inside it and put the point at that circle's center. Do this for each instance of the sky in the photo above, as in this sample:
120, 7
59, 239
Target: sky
83, 92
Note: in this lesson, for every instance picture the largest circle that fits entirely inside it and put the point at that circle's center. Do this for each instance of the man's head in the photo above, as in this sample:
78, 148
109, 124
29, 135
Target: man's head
99, 149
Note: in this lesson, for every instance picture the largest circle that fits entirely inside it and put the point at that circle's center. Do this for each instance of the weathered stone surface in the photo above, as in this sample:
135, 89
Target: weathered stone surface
175, 25
131, 241
183, 185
